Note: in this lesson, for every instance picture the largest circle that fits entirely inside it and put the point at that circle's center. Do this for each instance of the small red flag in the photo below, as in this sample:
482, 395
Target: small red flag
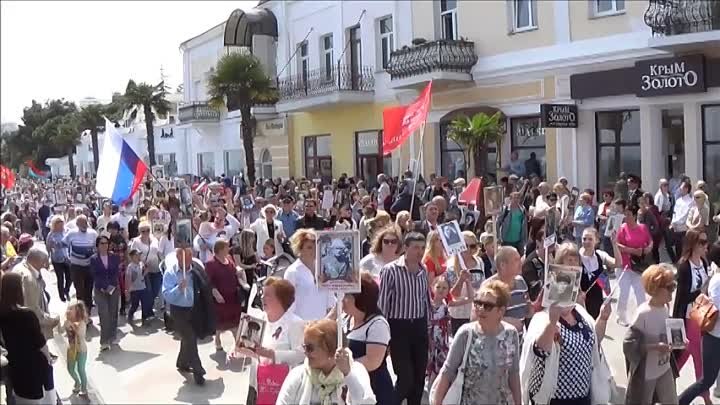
7, 177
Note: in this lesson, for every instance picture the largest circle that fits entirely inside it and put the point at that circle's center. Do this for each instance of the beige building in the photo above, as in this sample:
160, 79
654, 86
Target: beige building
514, 55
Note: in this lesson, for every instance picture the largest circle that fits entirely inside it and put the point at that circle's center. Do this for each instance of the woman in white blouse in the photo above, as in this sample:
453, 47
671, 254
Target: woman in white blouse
329, 375
149, 250
267, 227
386, 247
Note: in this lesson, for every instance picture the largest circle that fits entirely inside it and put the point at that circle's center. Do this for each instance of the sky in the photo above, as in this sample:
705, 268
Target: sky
78, 49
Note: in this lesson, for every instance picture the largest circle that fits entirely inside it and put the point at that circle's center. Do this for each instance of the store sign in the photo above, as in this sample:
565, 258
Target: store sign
663, 77
559, 115
367, 143
274, 127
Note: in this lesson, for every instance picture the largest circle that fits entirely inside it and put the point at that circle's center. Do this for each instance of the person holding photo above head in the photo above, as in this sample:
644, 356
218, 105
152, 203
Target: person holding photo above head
434, 258
368, 334
106, 270
187, 293
316, 303
565, 342
225, 288
328, 372
267, 227
405, 301
386, 247
509, 269
635, 244
465, 274
596, 264
489, 350
646, 349
430, 223
692, 277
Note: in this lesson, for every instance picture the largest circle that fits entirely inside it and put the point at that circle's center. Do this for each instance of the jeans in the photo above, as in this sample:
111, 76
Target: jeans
409, 354
83, 279
64, 281
76, 368
629, 279
107, 307
137, 298
711, 366
153, 283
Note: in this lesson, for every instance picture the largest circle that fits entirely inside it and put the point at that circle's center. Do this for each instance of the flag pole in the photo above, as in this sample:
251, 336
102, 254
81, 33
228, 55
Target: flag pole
415, 172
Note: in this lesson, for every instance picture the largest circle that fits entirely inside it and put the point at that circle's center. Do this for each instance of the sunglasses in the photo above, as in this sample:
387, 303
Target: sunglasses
308, 347
487, 306
390, 241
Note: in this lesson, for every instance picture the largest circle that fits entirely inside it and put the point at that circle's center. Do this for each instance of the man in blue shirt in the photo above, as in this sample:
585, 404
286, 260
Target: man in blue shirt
288, 217
178, 291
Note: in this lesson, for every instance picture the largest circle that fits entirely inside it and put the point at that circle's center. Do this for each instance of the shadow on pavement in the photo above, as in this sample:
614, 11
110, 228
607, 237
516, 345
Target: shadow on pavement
122, 360
192, 393
224, 363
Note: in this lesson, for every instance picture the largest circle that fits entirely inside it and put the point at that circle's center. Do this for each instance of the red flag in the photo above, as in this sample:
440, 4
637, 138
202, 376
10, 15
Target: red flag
414, 115
7, 177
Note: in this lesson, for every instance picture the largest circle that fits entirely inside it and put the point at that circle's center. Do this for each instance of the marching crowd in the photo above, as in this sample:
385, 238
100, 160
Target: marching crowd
467, 328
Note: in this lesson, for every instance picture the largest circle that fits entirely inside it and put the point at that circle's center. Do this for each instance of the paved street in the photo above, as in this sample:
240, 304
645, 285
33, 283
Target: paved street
142, 368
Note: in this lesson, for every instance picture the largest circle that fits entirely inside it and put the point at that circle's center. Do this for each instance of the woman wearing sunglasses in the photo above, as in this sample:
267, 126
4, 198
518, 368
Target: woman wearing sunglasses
386, 247
692, 276
465, 274
650, 377
489, 349
329, 375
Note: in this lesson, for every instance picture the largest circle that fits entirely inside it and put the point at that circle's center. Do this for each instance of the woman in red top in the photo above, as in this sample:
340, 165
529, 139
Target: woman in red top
225, 285
635, 243
434, 258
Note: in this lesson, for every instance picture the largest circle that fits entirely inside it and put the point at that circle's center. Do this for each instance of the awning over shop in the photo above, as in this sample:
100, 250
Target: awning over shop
242, 25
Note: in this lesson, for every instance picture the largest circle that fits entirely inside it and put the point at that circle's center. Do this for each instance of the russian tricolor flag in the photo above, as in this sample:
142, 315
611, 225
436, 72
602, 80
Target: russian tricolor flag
120, 170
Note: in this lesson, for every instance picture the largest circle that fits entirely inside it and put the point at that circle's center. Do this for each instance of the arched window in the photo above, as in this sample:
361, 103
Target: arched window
266, 164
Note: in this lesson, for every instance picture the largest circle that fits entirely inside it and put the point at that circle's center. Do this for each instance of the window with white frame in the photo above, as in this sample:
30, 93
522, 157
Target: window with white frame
303, 61
448, 19
327, 55
601, 8
233, 162
206, 164
387, 40
524, 15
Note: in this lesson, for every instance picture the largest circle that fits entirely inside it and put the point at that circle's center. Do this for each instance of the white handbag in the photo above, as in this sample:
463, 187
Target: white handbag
454, 393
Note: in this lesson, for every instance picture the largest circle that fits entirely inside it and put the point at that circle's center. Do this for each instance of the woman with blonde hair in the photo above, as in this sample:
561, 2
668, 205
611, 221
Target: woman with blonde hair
315, 303
386, 247
434, 258
465, 274
699, 214
403, 222
379, 221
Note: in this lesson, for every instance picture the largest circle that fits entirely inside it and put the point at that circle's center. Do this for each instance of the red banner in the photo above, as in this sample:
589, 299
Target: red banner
7, 177
400, 122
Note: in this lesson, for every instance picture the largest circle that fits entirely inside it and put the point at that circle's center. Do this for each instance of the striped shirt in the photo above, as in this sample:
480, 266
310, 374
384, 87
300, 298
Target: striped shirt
519, 304
403, 294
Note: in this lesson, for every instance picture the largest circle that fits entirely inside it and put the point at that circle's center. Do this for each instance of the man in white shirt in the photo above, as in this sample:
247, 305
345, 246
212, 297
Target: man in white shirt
383, 191
679, 217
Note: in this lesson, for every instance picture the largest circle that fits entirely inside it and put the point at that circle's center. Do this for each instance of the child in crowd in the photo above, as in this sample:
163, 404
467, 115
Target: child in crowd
136, 291
268, 250
439, 328
75, 326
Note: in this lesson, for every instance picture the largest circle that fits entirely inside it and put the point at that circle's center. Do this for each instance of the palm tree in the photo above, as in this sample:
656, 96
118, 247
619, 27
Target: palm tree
151, 101
476, 133
240, 82
92, 119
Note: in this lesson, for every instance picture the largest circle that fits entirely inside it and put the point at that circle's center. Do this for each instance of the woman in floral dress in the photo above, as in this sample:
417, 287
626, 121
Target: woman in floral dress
439, 328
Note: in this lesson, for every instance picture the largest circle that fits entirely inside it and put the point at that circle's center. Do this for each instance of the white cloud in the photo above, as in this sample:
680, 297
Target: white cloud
77, 49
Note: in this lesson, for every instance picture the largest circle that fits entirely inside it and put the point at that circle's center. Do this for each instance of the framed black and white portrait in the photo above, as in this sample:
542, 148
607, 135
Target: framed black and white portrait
250, 331
493, 199
451, 237
338, 261
562, 285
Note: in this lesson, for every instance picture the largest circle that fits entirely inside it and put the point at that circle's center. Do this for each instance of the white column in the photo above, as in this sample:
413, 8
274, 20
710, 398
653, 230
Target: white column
652, 164
565, 158
693, 141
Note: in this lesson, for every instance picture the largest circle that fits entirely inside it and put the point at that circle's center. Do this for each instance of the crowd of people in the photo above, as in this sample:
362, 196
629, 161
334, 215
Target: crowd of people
467, 328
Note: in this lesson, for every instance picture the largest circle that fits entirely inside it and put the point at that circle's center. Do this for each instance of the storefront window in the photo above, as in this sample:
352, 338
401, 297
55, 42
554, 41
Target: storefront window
233, 162
369, 160
618, 146
206, 164
711, 151
318, 160
527, 137
452, 156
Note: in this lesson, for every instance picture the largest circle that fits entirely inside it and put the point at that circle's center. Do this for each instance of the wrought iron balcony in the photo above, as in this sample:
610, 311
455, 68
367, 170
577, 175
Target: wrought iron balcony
198, 111
675, 17
443, 55
324, 81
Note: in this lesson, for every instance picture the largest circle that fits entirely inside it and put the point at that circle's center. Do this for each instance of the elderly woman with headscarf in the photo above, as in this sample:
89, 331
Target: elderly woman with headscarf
268, 227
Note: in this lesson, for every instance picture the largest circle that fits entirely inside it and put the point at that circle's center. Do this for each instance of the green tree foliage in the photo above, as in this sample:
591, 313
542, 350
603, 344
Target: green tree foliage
151, 100
92, 119
476, 133
240, 82
63, 132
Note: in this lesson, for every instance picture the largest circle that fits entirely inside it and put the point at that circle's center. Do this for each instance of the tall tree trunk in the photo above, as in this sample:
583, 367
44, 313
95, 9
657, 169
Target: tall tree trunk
247, 124
71, 163
480, 158
95, 148
150, 135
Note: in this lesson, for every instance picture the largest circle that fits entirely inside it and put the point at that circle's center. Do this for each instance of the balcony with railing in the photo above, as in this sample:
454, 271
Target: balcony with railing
683, 22
197, 112
339, 84
440, 60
